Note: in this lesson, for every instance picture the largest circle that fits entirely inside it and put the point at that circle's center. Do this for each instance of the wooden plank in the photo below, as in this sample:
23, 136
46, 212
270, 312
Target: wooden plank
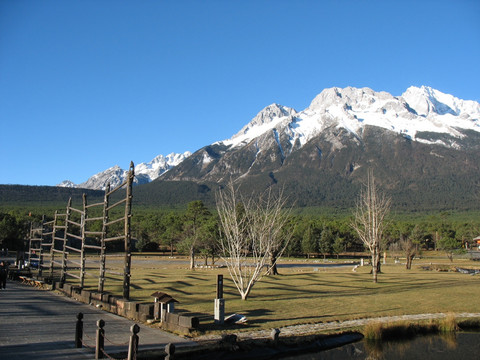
92, 247
115, 238
91, 275
93, 232
116, 204
115, 221
117, 188
76, 210
74, 262
72, 248
92, 205
94, 218
72, 275
74, 223
74, 236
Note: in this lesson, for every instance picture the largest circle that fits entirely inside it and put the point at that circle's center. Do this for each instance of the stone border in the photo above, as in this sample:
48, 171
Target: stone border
129, 309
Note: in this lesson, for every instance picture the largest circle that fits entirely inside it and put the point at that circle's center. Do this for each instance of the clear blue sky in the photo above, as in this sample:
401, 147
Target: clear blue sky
86, 85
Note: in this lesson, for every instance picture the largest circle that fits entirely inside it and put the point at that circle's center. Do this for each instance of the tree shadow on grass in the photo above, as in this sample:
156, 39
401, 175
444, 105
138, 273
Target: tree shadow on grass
198, 278
176, 289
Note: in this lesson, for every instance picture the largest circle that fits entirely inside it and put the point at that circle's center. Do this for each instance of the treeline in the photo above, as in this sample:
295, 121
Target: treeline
194, 231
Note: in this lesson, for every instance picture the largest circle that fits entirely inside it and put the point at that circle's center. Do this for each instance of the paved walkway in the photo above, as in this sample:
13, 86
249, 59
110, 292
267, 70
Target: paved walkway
39, 324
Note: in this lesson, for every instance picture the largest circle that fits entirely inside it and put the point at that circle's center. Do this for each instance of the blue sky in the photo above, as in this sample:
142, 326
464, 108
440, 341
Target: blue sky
86, 85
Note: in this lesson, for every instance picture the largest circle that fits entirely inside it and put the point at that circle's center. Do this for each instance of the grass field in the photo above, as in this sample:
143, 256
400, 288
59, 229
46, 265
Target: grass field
306, 294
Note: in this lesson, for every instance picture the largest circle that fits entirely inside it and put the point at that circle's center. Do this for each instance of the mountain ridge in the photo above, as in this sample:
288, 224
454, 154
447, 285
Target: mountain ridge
423, 146
144, 173
321, 154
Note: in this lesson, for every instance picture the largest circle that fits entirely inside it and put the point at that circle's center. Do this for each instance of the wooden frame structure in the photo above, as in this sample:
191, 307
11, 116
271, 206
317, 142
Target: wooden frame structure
76, 231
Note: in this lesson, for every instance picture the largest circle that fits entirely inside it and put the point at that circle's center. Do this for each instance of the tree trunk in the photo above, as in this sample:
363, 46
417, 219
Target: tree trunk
375, 265
171, 248
273, 266
192, 259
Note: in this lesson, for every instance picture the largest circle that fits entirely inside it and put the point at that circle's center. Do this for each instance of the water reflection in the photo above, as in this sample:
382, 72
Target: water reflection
433, 347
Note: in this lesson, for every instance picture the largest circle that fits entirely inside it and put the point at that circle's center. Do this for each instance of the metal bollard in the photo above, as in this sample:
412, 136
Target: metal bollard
133, 344
79, 331
100, 340
170, 350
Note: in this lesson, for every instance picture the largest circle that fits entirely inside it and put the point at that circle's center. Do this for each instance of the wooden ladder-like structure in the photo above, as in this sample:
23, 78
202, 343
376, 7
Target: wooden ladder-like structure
76, 232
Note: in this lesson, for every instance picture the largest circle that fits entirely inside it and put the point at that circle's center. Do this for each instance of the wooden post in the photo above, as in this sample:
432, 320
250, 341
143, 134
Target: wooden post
101, 280
79, 331
52, 248
64, 249
30, 243
133, 344
82, 251
100, 340
40, 255
128, 215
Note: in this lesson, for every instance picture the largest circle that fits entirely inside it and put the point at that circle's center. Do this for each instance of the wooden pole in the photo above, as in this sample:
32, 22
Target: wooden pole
52, 248
30, 243
40, 254
101, 280
133, 344
82, 251
128, 215
100, 340
64, 249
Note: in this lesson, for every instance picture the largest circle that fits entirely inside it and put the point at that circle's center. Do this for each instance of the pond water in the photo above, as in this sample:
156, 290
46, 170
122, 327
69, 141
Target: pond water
465, 346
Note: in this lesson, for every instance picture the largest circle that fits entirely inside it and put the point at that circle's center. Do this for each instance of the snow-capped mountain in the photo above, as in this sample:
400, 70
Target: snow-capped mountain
144, 173
417, 110
423, 140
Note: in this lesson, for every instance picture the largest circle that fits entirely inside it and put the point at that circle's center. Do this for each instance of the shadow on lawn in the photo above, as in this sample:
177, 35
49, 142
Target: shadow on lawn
254, 318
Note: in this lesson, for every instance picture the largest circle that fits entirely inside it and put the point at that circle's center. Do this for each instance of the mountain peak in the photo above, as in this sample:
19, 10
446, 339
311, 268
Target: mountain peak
144, 172
265, 120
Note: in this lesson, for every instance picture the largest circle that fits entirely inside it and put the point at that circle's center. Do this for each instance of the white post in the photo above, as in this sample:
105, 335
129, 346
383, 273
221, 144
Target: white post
219, 313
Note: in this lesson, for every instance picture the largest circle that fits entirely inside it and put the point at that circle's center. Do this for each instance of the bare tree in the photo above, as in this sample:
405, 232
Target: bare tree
371, 210
251, 234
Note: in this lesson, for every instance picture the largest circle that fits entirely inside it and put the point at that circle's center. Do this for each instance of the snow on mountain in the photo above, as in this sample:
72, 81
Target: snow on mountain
417, 110
415, 114
67, 184
160, 164
144, 173
264, 121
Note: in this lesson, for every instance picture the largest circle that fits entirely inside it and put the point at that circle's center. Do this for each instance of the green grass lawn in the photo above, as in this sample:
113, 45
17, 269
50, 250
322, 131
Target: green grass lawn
307, 295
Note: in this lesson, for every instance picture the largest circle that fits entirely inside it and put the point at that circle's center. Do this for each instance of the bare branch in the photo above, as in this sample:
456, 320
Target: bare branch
371, 210
251, 232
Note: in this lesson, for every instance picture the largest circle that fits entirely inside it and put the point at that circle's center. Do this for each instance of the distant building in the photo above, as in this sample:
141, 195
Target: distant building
477, 241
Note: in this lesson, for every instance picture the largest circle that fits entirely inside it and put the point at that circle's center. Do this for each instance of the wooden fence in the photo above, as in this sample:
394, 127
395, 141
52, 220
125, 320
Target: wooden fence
81, 233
